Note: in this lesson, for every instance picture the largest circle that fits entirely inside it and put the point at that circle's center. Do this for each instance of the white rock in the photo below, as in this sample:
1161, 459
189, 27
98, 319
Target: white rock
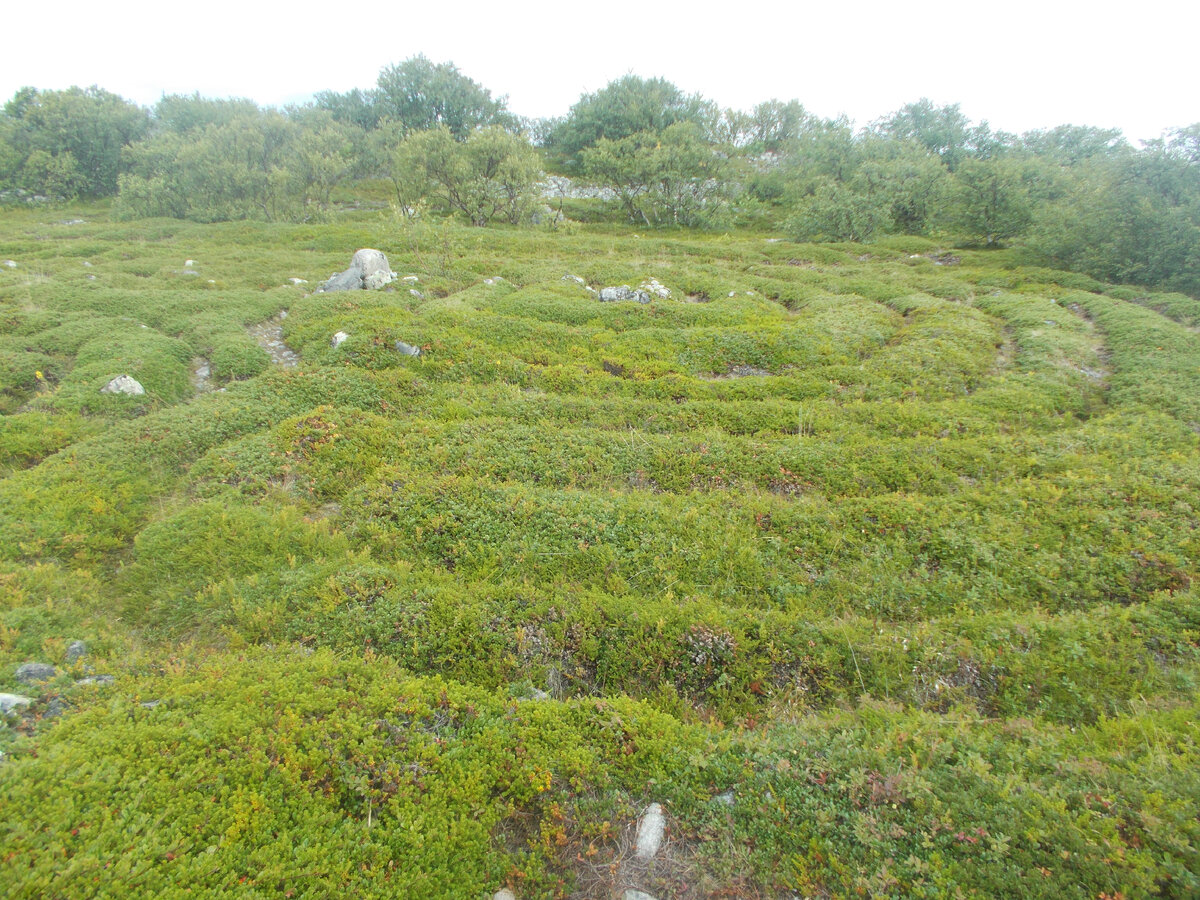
338, 339
297, 281
86, 263
11, 263
504, 894
635, 894
411, 279
655, 287
651, 827
123, 384
188, 263
9, 702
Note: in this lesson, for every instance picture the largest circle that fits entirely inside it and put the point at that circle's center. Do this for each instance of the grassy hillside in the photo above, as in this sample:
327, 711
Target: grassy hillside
876, 569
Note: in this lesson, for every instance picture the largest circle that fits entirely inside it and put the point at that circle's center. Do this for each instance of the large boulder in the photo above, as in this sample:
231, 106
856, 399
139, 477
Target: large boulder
369, 270
374, 267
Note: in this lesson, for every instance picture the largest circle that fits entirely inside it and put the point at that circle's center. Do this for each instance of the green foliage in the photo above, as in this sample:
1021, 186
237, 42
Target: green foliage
673, 177
490, 174
624, 108
1135, 218
67, 144
421, 95
896, 543
238, 166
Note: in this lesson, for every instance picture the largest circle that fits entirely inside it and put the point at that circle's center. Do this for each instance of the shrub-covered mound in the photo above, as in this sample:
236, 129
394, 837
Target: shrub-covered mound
876, 571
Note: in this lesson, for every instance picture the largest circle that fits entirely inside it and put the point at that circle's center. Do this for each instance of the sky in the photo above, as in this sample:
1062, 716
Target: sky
1018, 64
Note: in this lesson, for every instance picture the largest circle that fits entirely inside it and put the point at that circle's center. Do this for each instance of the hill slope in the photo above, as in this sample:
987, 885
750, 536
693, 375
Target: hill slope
875, 570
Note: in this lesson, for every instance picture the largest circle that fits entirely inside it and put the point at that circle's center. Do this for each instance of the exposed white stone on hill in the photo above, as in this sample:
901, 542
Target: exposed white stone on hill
651, 827
123, 384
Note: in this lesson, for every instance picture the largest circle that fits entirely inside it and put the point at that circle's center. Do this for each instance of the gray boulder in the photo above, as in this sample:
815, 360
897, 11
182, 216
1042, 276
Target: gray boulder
374, 267
76, 650
338, 339
350, 280
369, 270
33, 672
9, 702
622, 293
124, 384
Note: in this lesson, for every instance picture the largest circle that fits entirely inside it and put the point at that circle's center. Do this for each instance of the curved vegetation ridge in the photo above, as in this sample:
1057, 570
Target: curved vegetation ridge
876, 570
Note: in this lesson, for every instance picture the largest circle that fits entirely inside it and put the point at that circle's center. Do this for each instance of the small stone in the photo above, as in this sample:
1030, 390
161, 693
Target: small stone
87, 264
76, 650
9, 702
31, 672
123, 384
97, 679
725, 799
651, 827
297, 281
149, 704
11, 263
411, 279
338, 339
407, 349
504, 894
416, 293
635, 894
188, 263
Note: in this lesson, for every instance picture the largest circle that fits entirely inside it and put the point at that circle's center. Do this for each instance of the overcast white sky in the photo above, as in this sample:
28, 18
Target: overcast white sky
1018, 64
